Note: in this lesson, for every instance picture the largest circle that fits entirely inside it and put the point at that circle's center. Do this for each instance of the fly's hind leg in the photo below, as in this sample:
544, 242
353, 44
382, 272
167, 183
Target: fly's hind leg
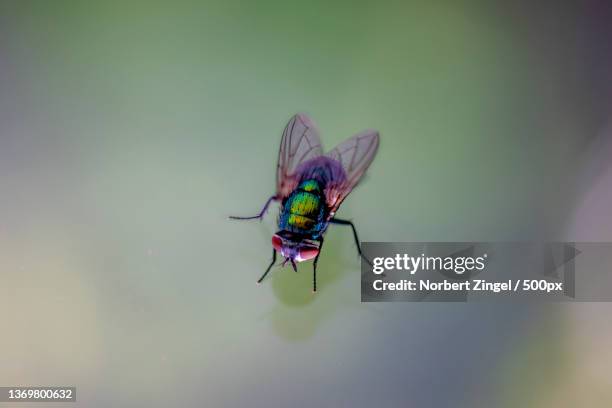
339, 221
258, 216
269, 267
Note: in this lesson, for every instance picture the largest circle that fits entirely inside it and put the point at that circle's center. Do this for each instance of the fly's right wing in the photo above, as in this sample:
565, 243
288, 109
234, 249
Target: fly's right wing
300, 143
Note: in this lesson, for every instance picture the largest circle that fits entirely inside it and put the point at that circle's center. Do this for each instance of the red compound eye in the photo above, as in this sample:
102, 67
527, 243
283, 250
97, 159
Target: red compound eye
307, 253
277, 243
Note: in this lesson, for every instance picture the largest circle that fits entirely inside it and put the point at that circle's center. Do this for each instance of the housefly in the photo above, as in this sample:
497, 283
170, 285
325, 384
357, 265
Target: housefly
311, 185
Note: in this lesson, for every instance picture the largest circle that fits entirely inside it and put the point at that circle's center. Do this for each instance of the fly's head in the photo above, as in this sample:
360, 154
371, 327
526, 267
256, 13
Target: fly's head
294, 249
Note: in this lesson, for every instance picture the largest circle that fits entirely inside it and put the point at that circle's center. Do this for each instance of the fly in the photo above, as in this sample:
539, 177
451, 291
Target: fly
311, 185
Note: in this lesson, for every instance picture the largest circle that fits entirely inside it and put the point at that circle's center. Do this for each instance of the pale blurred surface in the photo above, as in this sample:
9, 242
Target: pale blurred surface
130, 131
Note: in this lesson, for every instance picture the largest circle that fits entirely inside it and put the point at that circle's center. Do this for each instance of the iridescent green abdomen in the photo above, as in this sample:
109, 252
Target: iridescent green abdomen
303, 211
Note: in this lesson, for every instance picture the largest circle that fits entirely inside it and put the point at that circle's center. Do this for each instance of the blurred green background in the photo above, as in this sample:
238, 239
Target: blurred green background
129, 131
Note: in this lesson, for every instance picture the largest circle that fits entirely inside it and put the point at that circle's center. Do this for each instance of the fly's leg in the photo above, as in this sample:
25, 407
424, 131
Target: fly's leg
258, 216
347, 222
269, 267
314, 267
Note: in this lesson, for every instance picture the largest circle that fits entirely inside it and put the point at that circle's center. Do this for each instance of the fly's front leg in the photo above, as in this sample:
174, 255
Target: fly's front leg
269, 266
261, 213
339, 221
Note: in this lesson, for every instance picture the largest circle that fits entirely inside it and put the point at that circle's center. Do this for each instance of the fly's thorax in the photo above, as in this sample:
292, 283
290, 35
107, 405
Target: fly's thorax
304, 209
311, 186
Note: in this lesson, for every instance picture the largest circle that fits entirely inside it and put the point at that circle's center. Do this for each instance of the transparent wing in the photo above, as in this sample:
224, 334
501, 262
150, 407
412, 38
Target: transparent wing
355, 155
300, 142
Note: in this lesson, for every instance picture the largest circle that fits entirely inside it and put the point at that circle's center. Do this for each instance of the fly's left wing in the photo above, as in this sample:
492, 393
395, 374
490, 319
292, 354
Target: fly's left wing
355, 155
300, 142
